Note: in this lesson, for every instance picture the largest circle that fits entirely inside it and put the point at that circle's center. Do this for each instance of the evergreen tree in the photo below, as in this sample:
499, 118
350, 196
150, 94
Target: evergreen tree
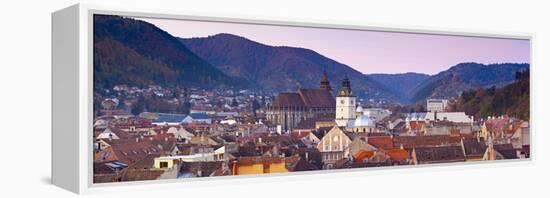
255, 106
139, 107
234, 103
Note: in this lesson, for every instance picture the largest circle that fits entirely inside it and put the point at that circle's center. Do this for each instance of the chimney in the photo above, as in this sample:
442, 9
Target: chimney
137, 139
234, 169
307, 156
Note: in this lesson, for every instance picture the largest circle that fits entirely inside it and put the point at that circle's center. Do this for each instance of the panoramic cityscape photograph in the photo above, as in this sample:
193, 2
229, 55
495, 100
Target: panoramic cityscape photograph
180, 99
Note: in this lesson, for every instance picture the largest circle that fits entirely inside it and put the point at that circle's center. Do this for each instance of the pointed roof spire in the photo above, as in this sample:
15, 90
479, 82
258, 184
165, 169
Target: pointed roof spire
325, 83
345, 90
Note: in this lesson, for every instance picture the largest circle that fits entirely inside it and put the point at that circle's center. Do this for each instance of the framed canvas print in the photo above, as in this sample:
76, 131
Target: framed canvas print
164, 98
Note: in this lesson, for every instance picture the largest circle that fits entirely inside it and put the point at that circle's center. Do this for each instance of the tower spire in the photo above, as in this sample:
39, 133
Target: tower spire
345, 105
325, 83
345, 90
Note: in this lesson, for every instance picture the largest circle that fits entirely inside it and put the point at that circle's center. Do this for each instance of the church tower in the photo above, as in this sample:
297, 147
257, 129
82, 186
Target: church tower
345, 105
325, 83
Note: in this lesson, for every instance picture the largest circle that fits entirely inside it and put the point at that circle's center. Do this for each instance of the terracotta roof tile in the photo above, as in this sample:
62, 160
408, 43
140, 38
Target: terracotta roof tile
317, 98
288, 100
381, 142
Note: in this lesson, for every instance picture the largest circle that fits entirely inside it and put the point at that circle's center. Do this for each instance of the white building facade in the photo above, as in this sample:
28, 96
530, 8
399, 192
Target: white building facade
345, 105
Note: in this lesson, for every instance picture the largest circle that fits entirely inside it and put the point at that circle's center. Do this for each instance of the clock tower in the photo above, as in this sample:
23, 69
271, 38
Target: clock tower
345, 105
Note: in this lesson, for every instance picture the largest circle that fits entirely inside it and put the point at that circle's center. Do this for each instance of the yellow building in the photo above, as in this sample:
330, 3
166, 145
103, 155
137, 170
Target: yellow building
258, 165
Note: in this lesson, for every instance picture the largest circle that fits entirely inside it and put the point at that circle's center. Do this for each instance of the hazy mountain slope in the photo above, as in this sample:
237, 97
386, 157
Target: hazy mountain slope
511, 100
399, 84
280, 68
147, 55
452, 82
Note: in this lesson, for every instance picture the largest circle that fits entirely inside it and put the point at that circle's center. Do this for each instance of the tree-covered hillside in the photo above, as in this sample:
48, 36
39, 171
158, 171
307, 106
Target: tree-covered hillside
511, 100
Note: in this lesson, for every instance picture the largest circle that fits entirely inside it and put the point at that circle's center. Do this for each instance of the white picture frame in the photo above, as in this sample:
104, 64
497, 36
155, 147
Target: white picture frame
72, 107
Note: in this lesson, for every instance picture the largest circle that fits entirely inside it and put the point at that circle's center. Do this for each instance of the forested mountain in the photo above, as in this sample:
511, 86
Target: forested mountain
280, 68
399, 84
287, 68
134, 52
465, 76
511, 100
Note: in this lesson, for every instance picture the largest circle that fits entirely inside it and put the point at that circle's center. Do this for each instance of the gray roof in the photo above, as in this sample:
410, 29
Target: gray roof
169, 118
198, 116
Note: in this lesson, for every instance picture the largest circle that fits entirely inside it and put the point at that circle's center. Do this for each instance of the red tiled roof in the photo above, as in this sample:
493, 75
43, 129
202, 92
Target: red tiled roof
397, 155
421, 141
201, 108
416, 125
312, 98
381, 142
137, 122
317, 98
288, 100
141, 174
162, 137
362, 155
129, 152
299, 135
496, 125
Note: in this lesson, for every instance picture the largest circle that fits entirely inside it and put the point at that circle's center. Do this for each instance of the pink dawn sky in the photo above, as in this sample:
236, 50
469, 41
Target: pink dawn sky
367, 51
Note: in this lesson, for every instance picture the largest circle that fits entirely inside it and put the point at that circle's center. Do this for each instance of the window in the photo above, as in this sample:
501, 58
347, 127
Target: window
341, 101
163, 164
